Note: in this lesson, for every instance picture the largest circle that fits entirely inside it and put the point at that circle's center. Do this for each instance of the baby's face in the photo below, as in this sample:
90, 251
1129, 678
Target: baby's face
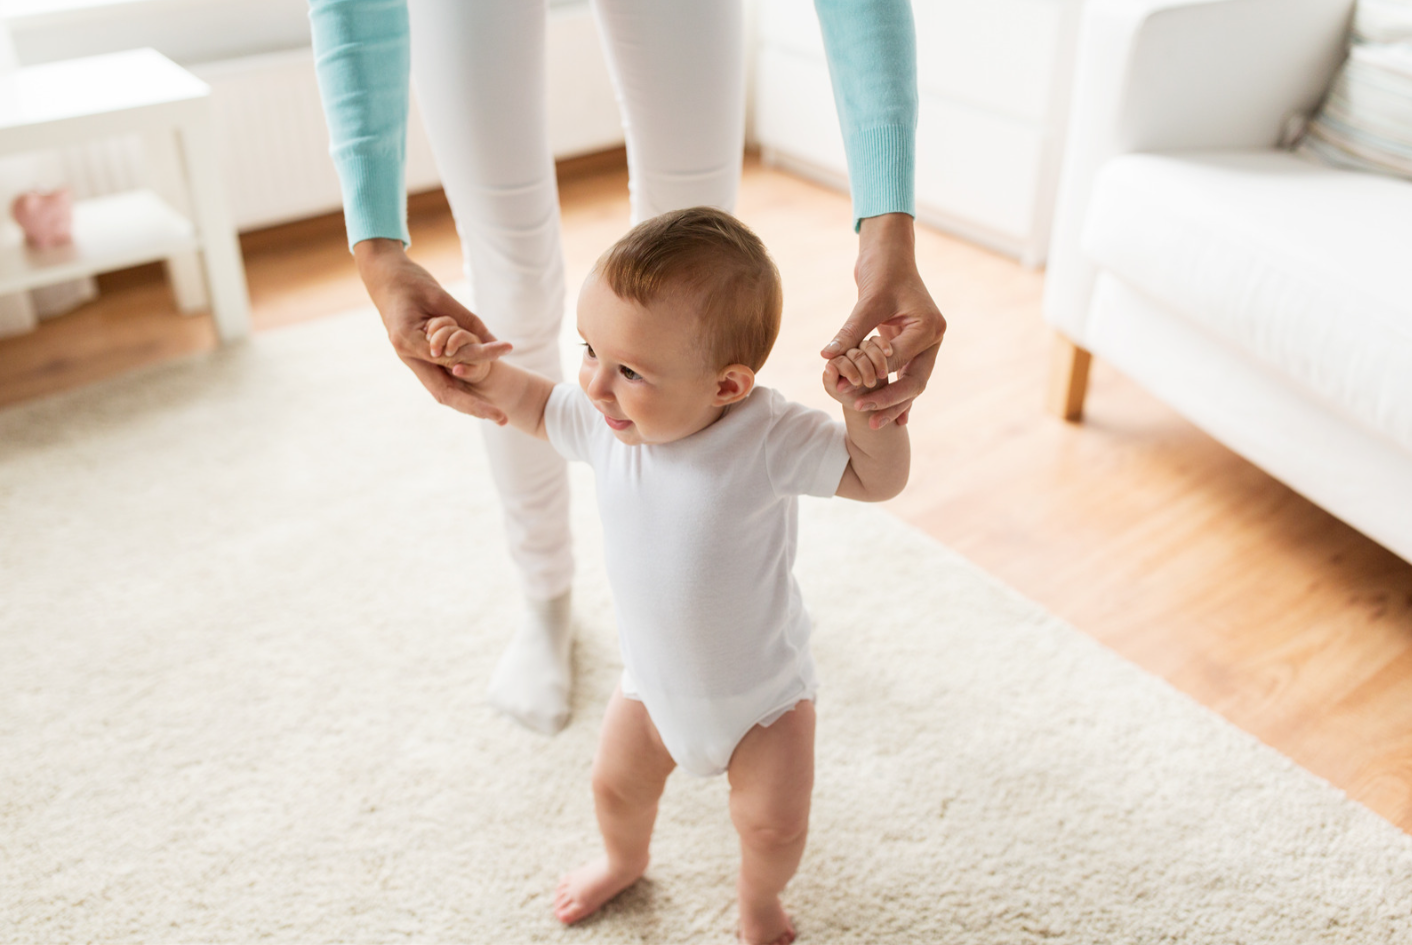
643, 366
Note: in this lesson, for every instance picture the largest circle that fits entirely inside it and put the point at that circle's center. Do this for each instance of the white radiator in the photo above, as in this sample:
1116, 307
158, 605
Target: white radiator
273, 142
272, 138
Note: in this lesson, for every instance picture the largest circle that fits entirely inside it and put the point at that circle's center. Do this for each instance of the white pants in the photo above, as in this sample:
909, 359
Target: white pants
479, 69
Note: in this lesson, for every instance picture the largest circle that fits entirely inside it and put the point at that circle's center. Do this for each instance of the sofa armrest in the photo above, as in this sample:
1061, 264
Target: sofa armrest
1171, 75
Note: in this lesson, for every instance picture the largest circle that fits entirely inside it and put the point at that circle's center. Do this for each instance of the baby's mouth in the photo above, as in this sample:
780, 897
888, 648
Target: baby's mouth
617, 424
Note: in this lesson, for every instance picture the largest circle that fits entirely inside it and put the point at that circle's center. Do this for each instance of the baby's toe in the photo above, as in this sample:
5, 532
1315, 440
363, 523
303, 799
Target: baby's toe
567, 908
570, 911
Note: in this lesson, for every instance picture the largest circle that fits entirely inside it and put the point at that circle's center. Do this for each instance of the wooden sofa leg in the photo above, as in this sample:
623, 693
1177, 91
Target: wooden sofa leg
1068, 379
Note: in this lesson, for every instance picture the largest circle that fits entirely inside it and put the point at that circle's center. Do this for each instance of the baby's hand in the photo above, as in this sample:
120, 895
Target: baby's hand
446, 337
858, 369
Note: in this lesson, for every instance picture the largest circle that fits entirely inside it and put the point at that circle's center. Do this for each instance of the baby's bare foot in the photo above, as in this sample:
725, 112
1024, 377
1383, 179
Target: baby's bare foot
765, 923
583, 891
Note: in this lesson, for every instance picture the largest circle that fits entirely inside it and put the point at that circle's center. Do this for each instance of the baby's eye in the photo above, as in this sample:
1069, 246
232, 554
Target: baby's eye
629, 373
588, 349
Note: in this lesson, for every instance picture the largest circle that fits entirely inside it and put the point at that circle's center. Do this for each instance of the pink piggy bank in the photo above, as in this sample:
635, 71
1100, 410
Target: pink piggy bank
46, 217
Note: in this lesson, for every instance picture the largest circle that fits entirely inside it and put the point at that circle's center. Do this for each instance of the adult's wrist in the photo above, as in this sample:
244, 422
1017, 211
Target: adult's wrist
888, 232
372, 256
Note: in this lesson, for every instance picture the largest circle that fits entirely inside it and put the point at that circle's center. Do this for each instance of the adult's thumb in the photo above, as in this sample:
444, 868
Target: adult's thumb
864, 318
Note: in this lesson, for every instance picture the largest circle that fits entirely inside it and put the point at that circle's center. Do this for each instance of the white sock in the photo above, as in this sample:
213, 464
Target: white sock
531, 682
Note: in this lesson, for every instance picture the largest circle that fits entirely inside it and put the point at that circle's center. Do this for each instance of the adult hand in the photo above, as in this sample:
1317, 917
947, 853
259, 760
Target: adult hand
892, 299
408, 298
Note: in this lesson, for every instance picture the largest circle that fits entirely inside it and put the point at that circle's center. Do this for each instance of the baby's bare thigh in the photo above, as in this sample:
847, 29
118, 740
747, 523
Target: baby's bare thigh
772, 771
631, 757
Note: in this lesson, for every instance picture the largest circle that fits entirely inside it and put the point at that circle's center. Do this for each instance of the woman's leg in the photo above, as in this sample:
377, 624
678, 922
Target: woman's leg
678, 67
479, 73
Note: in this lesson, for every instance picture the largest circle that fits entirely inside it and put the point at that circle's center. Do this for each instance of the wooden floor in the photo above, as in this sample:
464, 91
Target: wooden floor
1134, 526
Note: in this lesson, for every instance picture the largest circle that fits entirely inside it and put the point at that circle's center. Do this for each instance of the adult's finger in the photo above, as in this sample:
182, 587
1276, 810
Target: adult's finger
902, 389
452, 393
869, 312
897, 414
914, 337
884, 415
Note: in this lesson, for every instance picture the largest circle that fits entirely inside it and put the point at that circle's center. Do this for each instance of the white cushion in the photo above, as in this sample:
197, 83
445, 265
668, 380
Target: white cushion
1365, 121
1306, 268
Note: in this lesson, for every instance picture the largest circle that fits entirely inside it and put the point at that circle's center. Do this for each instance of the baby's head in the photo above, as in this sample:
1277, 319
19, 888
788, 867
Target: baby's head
676, 319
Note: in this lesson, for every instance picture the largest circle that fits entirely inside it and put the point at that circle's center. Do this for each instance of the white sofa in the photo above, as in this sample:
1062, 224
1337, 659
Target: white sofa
1266, 299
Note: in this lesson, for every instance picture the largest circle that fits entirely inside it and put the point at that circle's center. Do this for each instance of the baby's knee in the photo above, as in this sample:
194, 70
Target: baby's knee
606, 787
616, 792
771, 829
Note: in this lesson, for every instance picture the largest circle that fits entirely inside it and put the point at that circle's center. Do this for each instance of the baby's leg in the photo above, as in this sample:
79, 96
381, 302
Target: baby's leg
772, 777
629, 772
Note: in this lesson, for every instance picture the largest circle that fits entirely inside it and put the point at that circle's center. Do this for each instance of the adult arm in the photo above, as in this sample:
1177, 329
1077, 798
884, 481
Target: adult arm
872, 52
362, 56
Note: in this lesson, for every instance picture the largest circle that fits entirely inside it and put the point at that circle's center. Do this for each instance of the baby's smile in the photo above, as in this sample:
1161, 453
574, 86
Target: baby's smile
617, 424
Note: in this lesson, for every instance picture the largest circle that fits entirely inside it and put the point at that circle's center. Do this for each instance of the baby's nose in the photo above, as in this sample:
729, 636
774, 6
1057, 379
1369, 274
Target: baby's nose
599, 386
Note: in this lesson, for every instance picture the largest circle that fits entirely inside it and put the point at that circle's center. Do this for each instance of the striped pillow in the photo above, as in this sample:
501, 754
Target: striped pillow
1365, 121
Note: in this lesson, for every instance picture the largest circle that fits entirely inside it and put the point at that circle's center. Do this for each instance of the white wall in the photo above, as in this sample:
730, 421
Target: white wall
186, 31
270, 129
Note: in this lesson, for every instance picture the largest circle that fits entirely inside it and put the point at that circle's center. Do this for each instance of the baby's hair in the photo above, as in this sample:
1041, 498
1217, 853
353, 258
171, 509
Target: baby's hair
708, 251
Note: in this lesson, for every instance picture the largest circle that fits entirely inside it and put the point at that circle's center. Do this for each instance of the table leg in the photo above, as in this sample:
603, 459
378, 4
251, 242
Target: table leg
17, 316
220, 250
165, 176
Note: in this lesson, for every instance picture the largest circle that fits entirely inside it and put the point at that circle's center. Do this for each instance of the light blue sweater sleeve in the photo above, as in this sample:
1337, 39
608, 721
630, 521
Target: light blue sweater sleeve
362, 54
872, 52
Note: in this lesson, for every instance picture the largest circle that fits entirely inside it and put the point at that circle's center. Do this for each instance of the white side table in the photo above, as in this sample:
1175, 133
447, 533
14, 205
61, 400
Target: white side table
185, 218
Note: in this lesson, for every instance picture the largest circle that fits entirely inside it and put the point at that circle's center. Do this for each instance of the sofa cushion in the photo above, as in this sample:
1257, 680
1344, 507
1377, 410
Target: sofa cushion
1365, 121
1307, 268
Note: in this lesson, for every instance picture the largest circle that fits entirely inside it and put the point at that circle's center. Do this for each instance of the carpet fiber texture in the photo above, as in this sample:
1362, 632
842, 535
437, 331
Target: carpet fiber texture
249, 604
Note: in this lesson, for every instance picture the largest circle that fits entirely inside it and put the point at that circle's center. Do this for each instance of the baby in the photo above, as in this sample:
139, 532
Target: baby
698, 470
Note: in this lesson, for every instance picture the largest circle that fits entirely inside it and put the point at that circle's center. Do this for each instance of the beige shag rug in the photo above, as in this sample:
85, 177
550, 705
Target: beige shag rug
249, 604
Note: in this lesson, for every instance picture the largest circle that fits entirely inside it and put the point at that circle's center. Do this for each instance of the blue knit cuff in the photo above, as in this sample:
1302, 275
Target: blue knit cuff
374, 200
882, 171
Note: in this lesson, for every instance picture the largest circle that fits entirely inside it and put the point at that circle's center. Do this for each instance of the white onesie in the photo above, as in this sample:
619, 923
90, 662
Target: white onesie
699, 539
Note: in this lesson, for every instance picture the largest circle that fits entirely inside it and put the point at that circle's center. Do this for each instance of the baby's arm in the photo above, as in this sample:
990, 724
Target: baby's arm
520, 394
878, 460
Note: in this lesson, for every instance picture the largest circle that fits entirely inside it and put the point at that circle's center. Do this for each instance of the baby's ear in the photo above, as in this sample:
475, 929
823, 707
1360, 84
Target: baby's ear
733, 384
